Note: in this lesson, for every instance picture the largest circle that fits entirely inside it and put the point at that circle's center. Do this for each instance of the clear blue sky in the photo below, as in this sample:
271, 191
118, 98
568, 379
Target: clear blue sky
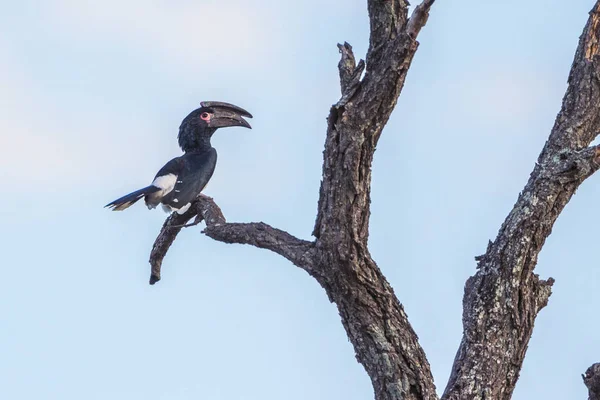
92, 94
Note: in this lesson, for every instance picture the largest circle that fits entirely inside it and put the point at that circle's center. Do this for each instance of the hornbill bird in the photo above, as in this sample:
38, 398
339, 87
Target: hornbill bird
182, 179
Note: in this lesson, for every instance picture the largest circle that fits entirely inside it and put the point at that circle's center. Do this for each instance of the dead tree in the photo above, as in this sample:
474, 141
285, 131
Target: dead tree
503, 297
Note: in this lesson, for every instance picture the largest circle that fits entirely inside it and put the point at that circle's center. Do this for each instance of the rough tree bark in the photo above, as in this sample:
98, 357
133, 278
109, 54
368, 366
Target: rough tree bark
501, 300
592, 381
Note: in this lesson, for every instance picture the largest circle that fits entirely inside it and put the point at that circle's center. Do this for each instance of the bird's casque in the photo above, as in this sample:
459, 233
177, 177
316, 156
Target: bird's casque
182, 179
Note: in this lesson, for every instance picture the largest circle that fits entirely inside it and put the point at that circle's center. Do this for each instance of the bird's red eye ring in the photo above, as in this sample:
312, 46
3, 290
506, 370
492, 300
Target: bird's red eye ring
205, 116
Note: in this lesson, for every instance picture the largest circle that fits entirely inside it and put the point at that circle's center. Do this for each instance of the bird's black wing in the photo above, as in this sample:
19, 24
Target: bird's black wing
196, 171
175, 166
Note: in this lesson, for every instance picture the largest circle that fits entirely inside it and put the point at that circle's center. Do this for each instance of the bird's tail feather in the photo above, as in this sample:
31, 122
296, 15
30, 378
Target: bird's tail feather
124, 202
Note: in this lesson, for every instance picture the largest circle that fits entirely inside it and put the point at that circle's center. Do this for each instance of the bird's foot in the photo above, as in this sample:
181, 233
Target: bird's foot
185, 225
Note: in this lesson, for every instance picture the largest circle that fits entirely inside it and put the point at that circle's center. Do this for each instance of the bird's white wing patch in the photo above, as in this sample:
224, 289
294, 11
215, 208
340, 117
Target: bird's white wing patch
184, 208
169, 209
165, 182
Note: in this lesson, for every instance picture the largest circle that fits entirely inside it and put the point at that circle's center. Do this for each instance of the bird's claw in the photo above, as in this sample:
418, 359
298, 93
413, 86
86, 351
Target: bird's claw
185, 225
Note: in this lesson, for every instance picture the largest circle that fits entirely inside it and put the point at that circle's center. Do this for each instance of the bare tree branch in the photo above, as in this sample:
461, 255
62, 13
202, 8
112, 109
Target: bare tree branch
257, 234
577, 123
374, 319
264, 236
349, 73
165, 239
504, 297
386, 18
592, 381
418, 19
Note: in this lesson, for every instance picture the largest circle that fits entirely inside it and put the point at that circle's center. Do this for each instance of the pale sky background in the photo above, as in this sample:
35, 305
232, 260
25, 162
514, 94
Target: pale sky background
92, 94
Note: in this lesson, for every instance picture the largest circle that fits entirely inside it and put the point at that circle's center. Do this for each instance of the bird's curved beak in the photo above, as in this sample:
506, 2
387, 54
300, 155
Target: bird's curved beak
225, 114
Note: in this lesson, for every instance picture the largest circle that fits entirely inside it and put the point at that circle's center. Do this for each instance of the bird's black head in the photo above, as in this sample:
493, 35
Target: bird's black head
197, 128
